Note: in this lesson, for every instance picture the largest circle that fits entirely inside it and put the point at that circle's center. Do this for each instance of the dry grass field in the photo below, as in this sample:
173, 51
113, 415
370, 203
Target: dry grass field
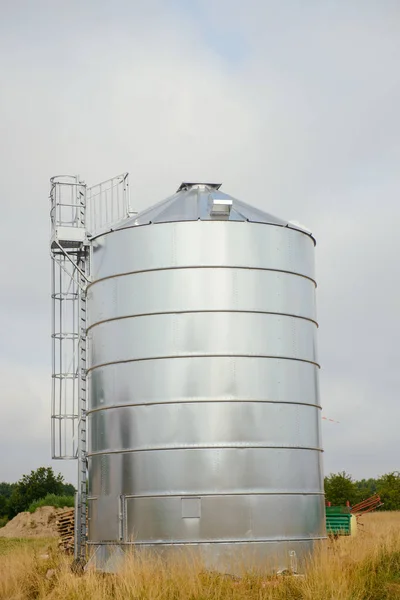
364, 567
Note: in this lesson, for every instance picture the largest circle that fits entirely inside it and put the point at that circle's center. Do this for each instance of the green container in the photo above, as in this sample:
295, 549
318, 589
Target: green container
338, 520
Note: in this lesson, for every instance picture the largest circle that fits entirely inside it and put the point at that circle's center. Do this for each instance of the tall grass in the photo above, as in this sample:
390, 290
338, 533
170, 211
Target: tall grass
364, 567
52, 500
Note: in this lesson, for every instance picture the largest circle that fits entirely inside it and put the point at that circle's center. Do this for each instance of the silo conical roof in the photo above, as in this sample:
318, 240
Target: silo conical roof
204, 202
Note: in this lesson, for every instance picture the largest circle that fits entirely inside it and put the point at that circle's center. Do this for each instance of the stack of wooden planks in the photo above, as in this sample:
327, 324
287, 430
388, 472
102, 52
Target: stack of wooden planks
65, 529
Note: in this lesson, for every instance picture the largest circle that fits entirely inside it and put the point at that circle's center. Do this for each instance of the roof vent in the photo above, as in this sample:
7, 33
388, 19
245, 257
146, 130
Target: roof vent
221, 207
186, 185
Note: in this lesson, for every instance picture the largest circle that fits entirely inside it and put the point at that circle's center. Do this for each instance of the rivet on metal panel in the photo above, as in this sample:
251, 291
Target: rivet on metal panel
173, 246
121, 517
235, 295
104, 474
234, 377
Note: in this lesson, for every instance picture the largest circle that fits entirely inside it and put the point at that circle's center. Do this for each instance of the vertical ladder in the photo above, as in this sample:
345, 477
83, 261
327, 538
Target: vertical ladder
83, 276
70, 254
81, 500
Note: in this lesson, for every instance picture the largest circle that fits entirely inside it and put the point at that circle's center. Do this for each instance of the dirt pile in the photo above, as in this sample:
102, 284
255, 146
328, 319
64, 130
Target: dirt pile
41, 523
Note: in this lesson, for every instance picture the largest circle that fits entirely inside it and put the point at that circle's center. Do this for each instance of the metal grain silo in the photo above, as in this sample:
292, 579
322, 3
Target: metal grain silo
204, 406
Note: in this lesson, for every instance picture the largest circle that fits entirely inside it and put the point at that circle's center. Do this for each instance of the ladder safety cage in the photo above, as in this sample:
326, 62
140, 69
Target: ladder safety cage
77, 213
69, 264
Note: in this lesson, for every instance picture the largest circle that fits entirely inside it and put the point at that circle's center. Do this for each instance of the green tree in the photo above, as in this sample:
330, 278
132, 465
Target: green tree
388, 488
68, 489
340, 488
6, 489
366, 488
33, 487
3, 506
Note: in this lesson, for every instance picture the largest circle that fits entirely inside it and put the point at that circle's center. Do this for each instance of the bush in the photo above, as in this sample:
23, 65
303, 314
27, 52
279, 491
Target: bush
52, 500
340, 488
388, 488
3, 521
3, 506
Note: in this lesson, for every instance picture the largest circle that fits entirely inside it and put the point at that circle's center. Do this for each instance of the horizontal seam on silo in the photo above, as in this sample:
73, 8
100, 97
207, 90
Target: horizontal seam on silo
148, 358
202, 447
188, 268
207, 311
243, 541
199, 494
177, 402
196, 220
222, 495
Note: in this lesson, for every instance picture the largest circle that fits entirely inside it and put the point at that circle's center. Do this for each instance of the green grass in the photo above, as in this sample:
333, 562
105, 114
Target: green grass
52, 500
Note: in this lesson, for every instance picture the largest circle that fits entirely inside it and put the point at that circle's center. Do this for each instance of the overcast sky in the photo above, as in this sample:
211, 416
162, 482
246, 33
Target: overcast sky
294, 106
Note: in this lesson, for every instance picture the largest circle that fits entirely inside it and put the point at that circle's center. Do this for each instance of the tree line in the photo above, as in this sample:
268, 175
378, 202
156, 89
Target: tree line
17, 497
339, 489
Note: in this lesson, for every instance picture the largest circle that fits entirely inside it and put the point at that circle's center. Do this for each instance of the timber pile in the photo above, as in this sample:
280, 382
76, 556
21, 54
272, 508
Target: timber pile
65, 529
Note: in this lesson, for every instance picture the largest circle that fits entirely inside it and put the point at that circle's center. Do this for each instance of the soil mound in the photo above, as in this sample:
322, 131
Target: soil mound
41, 523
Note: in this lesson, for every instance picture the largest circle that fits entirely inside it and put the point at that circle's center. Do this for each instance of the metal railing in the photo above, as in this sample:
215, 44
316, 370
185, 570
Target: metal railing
107, 203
